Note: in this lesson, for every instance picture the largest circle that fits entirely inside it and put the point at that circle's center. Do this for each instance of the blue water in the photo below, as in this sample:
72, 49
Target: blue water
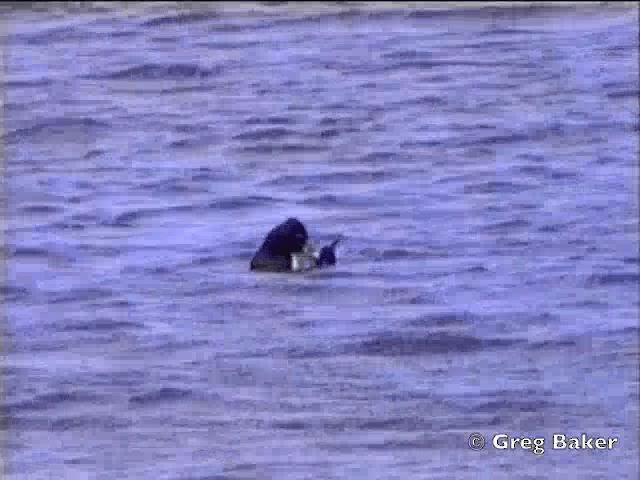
482, 166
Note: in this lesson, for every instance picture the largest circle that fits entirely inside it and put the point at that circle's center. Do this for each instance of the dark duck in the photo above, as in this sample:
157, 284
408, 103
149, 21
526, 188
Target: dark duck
287, 249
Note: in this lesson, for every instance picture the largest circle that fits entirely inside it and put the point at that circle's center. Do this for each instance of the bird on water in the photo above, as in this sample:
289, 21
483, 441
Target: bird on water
286, 248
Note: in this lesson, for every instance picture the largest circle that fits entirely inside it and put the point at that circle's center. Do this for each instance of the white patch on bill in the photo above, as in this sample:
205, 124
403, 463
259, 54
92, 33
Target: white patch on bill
304, 261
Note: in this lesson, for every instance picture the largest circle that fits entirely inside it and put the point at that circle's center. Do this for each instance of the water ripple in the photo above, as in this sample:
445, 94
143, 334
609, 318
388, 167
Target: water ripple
436, 343
479, 162
180, 18
165, 394
157, 72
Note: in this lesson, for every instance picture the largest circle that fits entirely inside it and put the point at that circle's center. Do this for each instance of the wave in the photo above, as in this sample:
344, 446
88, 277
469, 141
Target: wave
164, 394
436, 343
11, 293
56, 34
507, 226
30, 252
432, 64
265, 134
40, 208
235, 203
71, 128
272, 120
182, 18
79, 295
494, 186
158, 72
272, 149
128, 218
613, 279
99, 325
442, 319
25, 83
89, 423
362, 176
494, 12
50, 400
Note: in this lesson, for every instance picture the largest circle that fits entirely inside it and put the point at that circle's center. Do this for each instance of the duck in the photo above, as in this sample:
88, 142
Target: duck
287, 248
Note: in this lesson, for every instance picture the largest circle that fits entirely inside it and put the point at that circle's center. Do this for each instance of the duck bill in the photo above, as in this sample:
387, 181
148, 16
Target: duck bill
308, 247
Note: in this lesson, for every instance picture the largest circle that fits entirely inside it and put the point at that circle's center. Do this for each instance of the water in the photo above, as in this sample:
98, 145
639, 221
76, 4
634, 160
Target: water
481, 165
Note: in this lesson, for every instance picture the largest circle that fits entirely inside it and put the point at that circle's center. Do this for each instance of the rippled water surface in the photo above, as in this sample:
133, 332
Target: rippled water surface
481, 165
